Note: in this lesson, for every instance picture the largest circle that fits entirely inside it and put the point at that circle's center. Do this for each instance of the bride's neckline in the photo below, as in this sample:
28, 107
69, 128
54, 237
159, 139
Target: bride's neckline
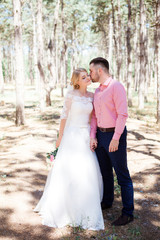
86, 95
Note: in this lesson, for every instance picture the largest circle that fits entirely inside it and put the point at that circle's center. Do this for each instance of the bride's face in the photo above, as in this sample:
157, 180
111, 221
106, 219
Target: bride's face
84, 79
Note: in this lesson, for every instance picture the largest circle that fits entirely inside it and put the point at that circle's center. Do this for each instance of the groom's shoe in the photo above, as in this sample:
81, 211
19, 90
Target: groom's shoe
122, 220
105, 206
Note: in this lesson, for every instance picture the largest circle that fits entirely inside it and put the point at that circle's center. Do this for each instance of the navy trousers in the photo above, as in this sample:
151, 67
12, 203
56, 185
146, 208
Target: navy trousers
118, 161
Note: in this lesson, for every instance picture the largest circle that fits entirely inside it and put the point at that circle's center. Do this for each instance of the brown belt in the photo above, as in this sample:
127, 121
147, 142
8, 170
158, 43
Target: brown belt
106, 129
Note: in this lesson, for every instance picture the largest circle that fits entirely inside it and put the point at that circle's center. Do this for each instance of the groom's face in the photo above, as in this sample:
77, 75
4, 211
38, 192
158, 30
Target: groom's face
94, 73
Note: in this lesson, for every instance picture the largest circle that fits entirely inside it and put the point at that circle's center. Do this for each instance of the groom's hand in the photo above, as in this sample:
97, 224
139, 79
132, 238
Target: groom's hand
93, 144
113, 146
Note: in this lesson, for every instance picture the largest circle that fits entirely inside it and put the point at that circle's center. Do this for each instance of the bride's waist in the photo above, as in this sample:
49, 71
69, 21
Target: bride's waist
73, 125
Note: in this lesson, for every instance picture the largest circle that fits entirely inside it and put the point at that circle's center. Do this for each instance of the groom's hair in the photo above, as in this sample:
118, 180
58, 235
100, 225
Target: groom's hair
101, 61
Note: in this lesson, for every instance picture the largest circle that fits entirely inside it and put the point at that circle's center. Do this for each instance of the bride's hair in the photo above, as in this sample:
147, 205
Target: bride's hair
75, 77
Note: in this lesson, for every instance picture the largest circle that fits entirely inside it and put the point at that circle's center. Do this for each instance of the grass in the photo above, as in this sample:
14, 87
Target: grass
117, 188
149, 111
134, 231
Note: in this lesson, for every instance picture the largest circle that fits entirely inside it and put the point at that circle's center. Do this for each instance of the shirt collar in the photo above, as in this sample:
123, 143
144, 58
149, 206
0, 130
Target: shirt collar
105, 84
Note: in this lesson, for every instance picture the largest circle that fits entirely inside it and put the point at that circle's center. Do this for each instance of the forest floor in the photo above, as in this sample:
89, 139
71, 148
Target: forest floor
23, 173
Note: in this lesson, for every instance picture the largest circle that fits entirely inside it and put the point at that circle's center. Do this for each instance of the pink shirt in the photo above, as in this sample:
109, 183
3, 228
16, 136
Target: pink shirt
110, 108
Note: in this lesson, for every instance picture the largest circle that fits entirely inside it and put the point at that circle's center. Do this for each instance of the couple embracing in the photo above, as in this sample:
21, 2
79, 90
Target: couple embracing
92, 141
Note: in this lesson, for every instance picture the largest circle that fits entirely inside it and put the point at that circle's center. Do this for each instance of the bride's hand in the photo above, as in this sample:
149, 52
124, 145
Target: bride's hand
58, 142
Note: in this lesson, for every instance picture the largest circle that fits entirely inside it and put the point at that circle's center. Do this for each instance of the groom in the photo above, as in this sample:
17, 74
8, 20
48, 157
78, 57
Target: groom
108, 137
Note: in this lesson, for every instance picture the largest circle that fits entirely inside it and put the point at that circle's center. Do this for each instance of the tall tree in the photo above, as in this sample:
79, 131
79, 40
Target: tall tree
129, 64
158, 57
114, 37
136, 46
40, 44
34, 45
52, 46
19, 68
110, 48
64, 49
142, 55
119, 41
1, 74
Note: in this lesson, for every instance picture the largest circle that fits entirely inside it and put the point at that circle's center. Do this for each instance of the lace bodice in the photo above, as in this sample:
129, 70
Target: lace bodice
77, 108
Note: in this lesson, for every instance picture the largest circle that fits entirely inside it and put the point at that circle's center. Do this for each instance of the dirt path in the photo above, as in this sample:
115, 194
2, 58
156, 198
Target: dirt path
23, 173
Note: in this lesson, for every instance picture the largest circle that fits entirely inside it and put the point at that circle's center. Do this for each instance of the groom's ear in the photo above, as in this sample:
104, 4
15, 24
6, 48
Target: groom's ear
100, 70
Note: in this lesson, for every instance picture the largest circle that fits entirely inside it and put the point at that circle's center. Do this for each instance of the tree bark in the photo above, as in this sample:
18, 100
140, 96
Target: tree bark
31, 66
42, 93
110, 49
136, 50
117, 38
129, 64
19, 67
48, 98
64, 49
142, 56
53, 65
34, 48
114, 38
119, 42
1, 75
158, 57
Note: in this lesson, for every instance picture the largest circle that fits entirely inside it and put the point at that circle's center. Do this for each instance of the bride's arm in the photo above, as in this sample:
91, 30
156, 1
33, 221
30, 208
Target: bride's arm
61, 130
64, 116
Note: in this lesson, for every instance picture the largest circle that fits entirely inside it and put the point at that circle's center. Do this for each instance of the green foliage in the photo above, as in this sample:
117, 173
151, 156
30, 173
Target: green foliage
117, 187
134, 231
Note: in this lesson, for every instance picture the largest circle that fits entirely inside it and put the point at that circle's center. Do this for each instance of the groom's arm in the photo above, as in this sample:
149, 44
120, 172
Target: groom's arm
120, 101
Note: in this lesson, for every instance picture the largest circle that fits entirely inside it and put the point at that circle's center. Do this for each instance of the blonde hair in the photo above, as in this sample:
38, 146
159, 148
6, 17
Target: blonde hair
75, 77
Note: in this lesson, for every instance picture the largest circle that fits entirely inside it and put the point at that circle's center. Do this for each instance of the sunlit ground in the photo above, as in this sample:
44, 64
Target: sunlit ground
23, 172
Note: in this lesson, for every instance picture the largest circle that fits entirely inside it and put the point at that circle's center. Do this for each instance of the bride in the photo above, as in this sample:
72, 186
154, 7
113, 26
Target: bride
73, 191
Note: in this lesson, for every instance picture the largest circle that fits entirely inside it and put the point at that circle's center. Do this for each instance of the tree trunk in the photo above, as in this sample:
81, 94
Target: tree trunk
19, 68
63, 52
31, 66
129, 64
110, 49
136, 51
53, 65
34, 49
12, 64
4, 65
158, 57
1, 75
146, 83
142, 56
119, 36
42, 93
114, 37
74, 45
117, 40
48, 98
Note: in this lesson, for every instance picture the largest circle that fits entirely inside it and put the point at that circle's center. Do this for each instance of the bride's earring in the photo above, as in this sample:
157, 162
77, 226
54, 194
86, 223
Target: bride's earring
77, 86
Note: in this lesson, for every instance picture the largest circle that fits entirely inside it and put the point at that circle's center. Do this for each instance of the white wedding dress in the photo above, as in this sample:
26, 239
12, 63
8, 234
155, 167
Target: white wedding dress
73, 191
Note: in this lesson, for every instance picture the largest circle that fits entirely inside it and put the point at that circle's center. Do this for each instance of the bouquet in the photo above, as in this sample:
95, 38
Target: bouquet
51, 157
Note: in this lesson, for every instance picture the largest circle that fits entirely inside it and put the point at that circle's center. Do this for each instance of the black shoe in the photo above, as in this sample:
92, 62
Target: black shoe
105, 206
122, 220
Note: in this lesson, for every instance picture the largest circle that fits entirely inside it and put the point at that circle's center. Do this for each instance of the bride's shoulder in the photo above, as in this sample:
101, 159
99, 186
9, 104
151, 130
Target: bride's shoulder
69, 93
